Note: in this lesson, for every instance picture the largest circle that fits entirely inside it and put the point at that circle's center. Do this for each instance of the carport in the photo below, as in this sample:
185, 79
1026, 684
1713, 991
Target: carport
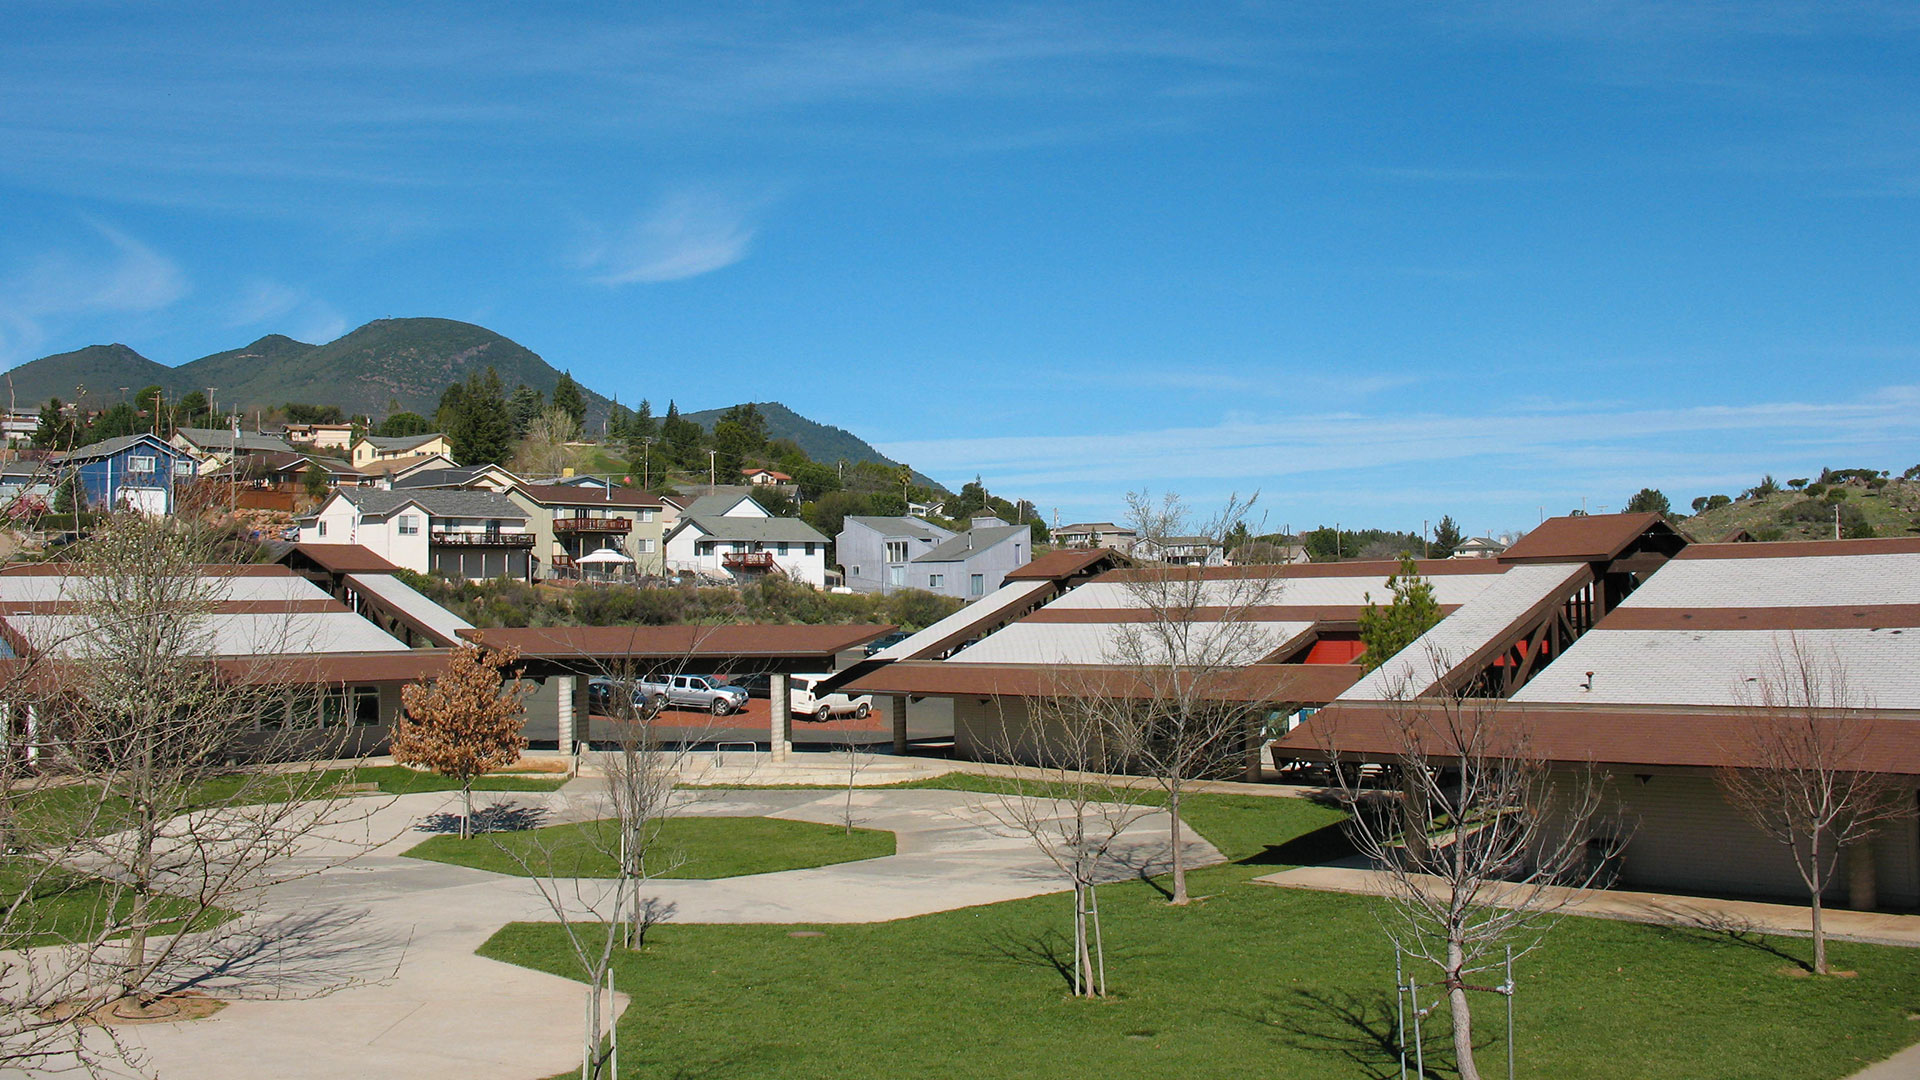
574, 654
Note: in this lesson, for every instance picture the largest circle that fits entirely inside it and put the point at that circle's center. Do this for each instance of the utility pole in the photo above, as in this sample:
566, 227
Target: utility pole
1836, 521
211, 411
713, 457
1426, 539
646, 463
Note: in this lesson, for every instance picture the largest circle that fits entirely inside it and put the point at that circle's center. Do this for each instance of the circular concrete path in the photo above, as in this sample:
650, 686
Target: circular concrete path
368, 968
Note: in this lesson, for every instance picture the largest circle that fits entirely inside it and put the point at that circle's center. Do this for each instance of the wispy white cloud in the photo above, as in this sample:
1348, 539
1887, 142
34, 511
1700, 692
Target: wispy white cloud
277, 307
684, 236
121, 275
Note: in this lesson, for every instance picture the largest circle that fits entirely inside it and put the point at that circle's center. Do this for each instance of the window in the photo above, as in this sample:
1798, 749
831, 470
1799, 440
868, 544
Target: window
643, 545
856, 570
646, 517
896, 575
935, 581
896, 551
781, 547
182, 467
320, 528
140, 463
366, 706
809, 549
409, 524
977, 585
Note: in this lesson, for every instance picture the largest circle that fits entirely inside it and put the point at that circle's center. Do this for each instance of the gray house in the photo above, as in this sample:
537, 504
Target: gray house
874, 552
881, 553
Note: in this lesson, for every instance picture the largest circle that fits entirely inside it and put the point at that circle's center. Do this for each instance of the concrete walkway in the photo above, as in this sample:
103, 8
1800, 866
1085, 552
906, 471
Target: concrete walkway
1745, 916
368, 969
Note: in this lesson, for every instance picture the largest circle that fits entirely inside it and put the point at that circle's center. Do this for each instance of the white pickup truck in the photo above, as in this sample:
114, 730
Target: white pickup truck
710, 693
812, 705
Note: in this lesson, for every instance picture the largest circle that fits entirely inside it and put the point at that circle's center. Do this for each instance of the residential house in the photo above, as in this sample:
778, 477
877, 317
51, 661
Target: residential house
973, 563
569, 523
1480, 547
322, 436
286, 471
26, 479
1181, 551
18, 427
874, 552
1095, 534
758, 477
1267, 553
373, 448
724, 537
139, 472
386, 472
214, 447
487, 477
471, 535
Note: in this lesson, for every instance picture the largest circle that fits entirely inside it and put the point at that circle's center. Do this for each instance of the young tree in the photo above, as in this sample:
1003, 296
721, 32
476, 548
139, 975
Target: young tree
544, 451
465, 723
314, 482
1807, 784
1446, 538
1412, 612
1195, 632
1489, 845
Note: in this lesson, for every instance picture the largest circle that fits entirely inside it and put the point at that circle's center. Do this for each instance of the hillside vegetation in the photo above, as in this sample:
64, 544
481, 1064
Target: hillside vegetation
1867, 504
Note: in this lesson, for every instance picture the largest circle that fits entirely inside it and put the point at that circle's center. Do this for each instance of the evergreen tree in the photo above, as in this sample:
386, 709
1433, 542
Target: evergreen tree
1446, 538
403, 424
568, 398
481, 431
56, 430
191, 411
685, 440
1649, 501
524, 404
642, 424
619, 417
1387, 630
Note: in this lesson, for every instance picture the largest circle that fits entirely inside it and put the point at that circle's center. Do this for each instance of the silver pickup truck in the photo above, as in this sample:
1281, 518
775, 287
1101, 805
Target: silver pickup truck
709, 693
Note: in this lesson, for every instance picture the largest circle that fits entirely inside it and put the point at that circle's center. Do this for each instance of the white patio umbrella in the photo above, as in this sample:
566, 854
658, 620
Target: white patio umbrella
604, 556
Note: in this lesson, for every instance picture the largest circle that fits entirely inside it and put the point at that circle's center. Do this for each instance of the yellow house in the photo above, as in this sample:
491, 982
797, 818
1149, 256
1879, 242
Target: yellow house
374, 448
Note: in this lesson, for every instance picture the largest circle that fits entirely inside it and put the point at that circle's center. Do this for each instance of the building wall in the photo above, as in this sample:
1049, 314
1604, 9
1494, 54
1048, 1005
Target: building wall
102, 481
864, 547
683, 551
1682, 836
992, 564
381, 536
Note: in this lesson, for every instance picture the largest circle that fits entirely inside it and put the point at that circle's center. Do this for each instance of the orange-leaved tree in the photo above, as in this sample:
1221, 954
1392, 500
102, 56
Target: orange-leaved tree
464, 723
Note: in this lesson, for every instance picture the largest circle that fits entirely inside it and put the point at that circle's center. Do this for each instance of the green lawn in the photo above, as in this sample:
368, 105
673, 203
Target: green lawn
687, 847
71, 907
1250, 981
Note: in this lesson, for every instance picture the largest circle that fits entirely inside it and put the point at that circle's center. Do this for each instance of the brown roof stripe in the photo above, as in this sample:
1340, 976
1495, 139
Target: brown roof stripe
1802, 549
322, 606
1854, 617
673, 642
80, 569
1371, 568
1308, 613
1304, 683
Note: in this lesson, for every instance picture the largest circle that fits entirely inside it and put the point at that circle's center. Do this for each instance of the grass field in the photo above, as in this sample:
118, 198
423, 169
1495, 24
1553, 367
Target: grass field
1249, 981
687, 847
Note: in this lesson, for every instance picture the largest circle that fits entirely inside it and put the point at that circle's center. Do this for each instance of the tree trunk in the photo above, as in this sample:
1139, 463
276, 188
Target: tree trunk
466, 809
1819, 938
1179, 858
1462, 1014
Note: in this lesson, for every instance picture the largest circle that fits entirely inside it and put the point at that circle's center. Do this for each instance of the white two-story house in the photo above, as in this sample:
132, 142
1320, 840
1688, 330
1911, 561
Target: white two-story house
734, 537
474, 535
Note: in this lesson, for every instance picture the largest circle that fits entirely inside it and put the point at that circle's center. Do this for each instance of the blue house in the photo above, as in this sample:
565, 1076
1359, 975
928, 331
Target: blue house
138, 472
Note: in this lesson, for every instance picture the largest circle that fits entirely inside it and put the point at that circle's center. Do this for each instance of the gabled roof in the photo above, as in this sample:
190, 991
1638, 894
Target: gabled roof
967, 544
1094, 527
1058, 565
213, 439
106, 448
1585, 537
439, 502
714, 505
399, 465
401, 442
901, 526
339, 558
564, 495
759, 530
451, 476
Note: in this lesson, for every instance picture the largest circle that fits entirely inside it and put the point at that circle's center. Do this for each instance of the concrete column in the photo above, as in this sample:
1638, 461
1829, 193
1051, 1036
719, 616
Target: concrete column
1863, 886
779, 716
897, 709
33, 734
564, 683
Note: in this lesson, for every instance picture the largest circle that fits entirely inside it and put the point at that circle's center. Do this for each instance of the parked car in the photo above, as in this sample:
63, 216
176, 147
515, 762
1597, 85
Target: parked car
710, 692
603, 693
808, 703
757, 684
886, 641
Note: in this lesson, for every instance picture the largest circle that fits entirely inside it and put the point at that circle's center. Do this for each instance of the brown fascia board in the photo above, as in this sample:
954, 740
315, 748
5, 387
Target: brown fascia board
1309, 613
706, 643
1278, 683
1059, 565
1369, 568
1896, 617
1590, 735
1800, 549
343, 558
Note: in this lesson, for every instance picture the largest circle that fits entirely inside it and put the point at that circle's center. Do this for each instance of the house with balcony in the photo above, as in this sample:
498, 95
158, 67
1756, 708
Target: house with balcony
470, 535
1095, 534
139, 472
724, 537
369, 449
570, 523
1181, 551
322, 436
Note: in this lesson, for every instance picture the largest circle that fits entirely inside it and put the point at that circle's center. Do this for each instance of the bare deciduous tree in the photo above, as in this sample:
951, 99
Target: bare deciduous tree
543, 452
1807, 784
465, 723
1073, 809
1485, 847
1193, 634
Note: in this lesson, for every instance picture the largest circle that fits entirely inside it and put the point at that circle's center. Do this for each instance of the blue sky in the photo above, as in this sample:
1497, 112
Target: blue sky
1378, 262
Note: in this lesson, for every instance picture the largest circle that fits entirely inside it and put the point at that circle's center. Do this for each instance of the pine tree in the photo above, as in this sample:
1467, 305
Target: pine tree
482, 431
642, 424
465, 723
1446, 539
524, 404
568, 398
1387, 630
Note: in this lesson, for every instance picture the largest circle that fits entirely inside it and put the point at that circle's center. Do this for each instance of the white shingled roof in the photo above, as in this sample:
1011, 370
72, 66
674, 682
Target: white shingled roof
1448, 589
230, 634
414, 604
983, 611
31, 588
1102, 643
1798, 581
1477, 623
1717, 667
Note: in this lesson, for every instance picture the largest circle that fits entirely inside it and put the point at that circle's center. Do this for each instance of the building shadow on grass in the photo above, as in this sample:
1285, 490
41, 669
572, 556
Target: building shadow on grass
1358, 1028
1324, 846
1695, 926
495, 817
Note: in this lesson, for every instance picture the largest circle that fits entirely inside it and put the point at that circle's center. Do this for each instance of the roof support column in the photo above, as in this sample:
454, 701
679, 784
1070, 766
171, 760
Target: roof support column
564, 731
897, 710
1863, 886
779, 717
